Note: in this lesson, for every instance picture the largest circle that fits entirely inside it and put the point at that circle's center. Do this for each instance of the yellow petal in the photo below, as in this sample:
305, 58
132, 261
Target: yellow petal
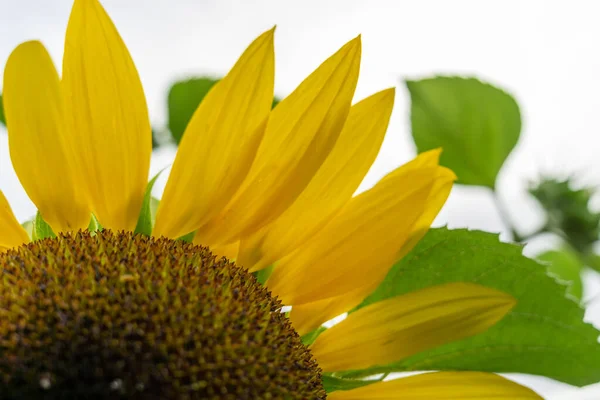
229, 251
437, 197
393, 329
220, 143
300, 133
12, 233
332, 186
357, 247
309, 316
34, 109
441, 386
106, 115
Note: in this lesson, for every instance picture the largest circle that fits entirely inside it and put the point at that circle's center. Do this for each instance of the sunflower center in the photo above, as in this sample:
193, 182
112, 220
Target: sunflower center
116, 315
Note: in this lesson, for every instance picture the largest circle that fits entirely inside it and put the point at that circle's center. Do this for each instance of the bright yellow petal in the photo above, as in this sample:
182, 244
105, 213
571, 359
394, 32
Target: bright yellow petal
438, 196
393, 329
310, 316
12, 233
229, 251
220, 143
106, 115
300, 133
441, 386
34, 109
359, 245
332, 186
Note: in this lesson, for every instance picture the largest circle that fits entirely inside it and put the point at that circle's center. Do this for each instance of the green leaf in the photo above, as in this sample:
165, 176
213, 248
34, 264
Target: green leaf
476, 124
41, 229
146, 219
331, 384
2, 117
543, 335
565, 265
184, 98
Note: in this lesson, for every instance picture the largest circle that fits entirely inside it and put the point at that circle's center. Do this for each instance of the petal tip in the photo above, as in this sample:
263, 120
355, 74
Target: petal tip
388, 94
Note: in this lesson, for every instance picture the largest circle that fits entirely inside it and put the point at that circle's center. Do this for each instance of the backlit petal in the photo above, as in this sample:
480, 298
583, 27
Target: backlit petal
300, 133
359, 245
441, 386
36, 134
393, 329
220, 143
229, 251
106, 115
309, 316
12, 233
332, 186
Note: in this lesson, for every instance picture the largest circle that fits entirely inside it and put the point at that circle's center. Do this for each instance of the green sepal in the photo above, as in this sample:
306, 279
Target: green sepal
310, 337
331, 383
41, 229
146, 219
189, 238
94, 225
264, 274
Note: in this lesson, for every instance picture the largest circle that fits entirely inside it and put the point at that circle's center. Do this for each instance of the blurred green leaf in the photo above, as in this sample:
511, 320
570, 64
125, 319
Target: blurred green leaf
543, 335
476, 124
565, 265
145, 220
41, 229
155, 141
184, 98
568, 212
2, 118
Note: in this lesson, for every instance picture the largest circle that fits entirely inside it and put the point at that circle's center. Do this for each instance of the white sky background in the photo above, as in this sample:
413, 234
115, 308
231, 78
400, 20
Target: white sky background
543, 52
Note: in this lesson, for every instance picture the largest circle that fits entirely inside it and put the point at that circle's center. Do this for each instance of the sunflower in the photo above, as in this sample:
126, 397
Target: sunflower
116, 314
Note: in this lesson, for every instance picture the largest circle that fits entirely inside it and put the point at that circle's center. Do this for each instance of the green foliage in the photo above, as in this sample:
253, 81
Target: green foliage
41, 229
476, 124
331, 384
543, 335
146, 219
2, 117
184, 98
565, 265
568, 212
